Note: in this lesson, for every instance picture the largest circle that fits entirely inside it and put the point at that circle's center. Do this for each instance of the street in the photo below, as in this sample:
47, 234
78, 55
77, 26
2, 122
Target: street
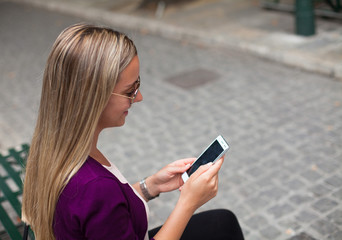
283, 173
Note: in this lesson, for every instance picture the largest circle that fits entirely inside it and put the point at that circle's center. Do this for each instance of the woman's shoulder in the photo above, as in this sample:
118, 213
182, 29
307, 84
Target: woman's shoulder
90, 195
92, 169
92, 175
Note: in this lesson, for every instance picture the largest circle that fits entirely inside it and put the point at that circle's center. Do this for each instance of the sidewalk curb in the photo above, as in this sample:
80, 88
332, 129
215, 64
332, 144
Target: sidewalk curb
290, 57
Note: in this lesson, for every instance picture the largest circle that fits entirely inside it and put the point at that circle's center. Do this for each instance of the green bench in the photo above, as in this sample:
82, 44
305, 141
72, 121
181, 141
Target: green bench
11, 186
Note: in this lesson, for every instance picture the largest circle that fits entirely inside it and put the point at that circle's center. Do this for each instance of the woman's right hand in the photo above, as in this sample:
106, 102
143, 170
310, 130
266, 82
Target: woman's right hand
201, 186
199, 189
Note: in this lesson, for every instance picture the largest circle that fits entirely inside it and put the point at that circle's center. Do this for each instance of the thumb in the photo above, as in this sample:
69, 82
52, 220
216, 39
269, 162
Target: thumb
179, 169
216, 167
202, 169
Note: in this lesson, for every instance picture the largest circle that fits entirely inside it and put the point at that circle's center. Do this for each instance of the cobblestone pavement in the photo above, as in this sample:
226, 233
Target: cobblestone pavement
283, 174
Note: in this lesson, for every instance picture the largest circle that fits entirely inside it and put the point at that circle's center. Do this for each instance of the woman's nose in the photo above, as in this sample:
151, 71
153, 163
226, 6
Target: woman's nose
139, 97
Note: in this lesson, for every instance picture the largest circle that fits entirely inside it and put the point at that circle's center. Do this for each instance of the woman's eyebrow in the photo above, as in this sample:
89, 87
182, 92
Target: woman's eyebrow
129, 86
132, 84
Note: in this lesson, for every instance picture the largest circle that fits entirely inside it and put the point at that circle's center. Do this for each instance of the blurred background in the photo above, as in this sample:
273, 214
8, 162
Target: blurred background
267, 75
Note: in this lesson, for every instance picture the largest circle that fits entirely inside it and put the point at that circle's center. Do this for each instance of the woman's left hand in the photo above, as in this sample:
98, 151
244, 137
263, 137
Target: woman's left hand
169, 178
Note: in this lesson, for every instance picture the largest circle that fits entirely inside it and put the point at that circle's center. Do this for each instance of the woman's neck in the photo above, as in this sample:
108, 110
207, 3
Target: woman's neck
96, 153
98, 156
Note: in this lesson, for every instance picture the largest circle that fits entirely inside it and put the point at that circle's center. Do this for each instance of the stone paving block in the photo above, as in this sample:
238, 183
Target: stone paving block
282, 177
256, 222
306, 216
338, 194
291, 225
335, 181
256, 203
335, 236
234, 178
328, 167
248, 191
325, 227
270, 232
302, 236
320, 190
298, 199
252, 236
294, 184
242, 212
273, 193
280, 210
265, 182
311, 175
255, 171
324, 205
336, 217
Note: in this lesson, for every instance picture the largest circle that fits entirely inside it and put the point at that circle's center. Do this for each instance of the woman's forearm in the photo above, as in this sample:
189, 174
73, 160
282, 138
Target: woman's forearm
151, 188
137, 188
174, 226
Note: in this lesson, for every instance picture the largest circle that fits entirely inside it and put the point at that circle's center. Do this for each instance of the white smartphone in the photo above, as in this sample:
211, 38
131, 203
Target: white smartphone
213, 152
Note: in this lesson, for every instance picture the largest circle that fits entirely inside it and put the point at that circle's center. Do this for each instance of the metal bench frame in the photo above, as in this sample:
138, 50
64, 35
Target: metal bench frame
11, 186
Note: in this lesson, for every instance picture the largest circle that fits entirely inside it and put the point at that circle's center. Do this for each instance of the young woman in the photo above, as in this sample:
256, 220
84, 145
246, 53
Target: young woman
71, 190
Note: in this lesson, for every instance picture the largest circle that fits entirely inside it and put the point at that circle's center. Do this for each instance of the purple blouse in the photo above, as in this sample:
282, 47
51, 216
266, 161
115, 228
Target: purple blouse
96, 205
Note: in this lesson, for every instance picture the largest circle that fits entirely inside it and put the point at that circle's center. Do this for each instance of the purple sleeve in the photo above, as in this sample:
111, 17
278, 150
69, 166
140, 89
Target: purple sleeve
97, 210
108, 216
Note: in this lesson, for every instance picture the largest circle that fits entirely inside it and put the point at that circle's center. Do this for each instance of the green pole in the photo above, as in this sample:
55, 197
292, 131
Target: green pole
305, 18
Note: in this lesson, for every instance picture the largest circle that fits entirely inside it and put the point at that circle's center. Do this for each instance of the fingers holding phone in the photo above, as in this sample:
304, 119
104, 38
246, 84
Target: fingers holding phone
201, 179
202, 185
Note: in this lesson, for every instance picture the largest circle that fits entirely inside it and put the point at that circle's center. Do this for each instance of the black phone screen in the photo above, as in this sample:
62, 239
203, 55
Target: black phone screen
209, 155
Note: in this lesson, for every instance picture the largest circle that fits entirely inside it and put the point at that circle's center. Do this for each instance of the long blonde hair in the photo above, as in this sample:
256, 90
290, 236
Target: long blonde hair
80, 75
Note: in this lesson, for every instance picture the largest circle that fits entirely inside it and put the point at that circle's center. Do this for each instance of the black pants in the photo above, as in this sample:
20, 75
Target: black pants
210, 225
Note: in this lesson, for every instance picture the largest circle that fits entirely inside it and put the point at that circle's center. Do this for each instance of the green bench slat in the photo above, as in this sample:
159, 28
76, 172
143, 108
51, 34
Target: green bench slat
12, 198
7, 162
11, 172
11, 229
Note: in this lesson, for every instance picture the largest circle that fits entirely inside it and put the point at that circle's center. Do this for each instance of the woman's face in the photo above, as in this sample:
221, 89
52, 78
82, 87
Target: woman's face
115, 112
